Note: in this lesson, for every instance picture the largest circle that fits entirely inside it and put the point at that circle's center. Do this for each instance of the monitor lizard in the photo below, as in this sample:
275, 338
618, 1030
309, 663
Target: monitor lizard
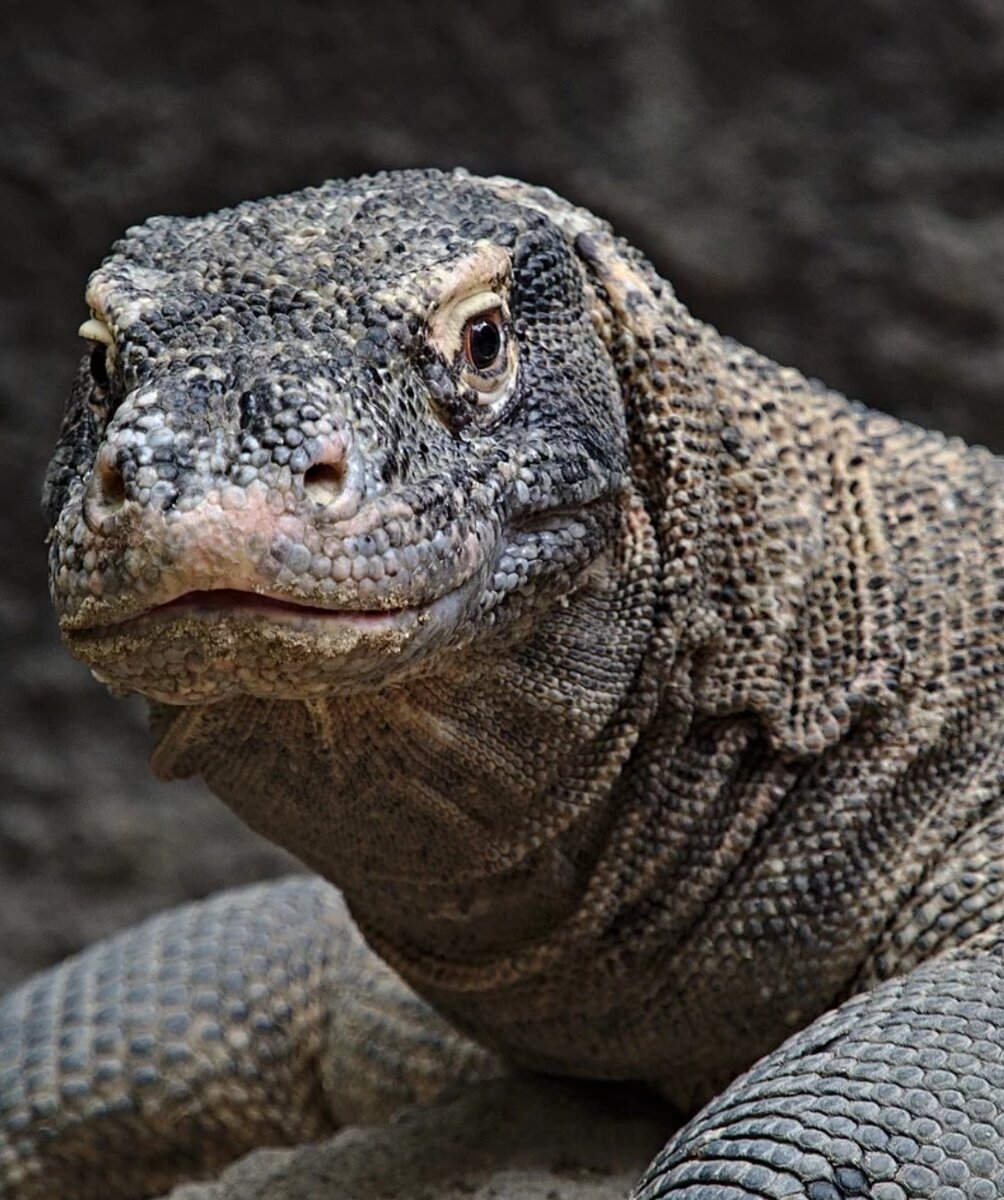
641, 697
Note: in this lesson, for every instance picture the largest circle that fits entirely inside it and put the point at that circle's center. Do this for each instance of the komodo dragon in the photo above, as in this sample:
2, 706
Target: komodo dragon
642, 698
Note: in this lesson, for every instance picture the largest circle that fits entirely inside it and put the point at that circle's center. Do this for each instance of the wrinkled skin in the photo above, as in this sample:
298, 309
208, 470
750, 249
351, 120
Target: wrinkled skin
643, 699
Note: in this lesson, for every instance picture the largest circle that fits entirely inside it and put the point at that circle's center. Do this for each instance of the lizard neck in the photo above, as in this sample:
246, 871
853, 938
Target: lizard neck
782, 578
460, 812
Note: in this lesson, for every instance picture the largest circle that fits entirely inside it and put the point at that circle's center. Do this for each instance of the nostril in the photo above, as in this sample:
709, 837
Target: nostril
323, 482
106, 492
334, 480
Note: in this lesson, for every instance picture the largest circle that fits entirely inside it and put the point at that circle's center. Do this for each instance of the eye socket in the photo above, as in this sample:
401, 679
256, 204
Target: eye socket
99, 364
484, 341
470, 336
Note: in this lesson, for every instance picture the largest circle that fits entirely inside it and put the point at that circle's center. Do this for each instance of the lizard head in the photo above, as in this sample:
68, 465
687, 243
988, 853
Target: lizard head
315, 438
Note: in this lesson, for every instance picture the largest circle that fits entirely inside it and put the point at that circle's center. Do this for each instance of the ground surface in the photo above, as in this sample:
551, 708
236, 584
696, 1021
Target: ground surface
511, 1140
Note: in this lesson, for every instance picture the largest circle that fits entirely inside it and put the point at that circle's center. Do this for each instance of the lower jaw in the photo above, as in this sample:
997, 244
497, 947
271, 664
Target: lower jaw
197, 651
193, 659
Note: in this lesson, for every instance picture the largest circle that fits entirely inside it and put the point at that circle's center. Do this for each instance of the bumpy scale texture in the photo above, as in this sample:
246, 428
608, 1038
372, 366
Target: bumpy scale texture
642, 698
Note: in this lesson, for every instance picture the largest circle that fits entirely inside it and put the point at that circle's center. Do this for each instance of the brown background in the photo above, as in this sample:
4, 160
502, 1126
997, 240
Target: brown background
824, 180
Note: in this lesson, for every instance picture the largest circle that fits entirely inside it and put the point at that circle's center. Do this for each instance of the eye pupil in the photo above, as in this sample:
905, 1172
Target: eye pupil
99, 366
484, 342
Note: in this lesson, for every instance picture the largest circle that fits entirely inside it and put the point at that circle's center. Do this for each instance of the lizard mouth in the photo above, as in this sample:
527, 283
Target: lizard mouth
217, 603
207, 645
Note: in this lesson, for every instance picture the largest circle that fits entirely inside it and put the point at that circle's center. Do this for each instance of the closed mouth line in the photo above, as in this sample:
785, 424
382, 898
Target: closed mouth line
230, 599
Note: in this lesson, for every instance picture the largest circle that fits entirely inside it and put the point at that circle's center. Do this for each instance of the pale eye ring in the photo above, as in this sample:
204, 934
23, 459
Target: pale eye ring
484, 340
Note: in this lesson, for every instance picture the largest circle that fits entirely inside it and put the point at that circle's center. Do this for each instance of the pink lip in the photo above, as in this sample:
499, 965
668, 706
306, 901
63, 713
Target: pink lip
230, 599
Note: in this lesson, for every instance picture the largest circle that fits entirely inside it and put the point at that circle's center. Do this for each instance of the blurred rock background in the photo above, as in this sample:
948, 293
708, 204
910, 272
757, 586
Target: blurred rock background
823, 180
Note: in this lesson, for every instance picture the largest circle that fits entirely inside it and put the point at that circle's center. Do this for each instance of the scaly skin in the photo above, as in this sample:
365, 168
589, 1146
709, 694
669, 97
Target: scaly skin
643, 699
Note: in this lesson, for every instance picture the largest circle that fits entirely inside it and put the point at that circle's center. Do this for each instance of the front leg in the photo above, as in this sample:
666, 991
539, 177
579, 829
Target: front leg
258, 1017
896, 1095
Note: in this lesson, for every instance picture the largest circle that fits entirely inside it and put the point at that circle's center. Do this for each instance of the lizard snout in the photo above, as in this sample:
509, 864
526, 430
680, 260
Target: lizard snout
326, 474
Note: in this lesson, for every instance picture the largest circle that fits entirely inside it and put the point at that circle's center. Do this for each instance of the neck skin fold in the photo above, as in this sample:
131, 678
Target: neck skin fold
460, 812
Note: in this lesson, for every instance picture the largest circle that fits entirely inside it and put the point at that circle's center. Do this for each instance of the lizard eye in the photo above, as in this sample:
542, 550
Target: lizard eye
471, 334
486, 355
484, 340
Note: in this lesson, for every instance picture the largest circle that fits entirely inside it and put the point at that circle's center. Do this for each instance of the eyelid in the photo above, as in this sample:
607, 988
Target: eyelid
462, 288
476, 303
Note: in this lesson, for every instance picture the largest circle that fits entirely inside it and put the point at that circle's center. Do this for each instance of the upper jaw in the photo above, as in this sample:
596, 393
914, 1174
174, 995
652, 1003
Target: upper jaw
279, 567
194, 605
